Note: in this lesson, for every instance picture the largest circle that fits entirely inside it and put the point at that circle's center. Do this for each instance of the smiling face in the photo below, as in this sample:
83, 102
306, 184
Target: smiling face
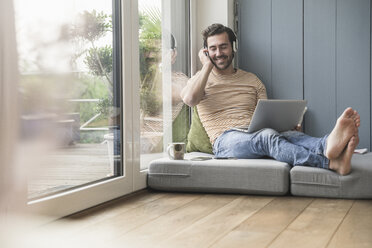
220, 51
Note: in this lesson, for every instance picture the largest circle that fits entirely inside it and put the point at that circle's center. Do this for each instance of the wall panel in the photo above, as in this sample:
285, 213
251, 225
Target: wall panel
255, 39
320, 65
287, 52
353, 62
319, 50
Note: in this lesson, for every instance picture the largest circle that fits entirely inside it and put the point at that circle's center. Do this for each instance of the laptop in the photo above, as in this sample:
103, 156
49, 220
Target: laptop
280, 115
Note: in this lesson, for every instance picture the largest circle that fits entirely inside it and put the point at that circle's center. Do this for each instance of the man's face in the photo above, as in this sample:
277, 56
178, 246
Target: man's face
220, 50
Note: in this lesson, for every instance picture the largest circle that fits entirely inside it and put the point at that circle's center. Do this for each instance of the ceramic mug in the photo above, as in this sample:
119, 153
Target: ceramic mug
176, 151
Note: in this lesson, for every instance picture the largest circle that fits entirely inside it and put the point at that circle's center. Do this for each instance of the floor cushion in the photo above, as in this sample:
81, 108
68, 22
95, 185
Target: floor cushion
251, 176
308, 181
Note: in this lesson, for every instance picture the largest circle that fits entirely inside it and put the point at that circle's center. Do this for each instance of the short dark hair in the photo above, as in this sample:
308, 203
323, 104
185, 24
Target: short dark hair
217, 28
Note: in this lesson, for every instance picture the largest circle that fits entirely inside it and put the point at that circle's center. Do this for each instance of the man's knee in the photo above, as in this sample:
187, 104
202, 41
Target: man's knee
266, 140
268, 132
267, 135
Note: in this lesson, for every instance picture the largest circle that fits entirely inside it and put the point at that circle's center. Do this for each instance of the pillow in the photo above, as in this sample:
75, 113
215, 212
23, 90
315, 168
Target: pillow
197, 139
180, 125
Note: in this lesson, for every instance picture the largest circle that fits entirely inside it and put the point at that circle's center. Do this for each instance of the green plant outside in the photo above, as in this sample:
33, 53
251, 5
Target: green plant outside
98, 83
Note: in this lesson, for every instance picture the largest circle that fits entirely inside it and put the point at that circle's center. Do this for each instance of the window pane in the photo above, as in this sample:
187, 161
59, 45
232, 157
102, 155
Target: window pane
164, 70
70, 96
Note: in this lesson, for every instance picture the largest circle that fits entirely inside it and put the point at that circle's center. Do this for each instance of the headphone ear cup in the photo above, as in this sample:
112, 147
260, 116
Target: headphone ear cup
235, 46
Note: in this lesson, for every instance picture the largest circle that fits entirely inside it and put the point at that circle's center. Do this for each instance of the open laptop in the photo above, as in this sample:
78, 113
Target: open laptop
280, 115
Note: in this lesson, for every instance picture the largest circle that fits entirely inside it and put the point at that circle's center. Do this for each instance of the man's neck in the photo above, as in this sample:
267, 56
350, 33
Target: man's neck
228, 71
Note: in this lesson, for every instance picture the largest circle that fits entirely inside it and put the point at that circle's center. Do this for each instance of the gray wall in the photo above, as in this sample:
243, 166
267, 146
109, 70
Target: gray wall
318, 50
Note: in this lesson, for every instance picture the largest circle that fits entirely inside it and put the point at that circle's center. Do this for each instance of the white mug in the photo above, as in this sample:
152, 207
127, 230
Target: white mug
176, 151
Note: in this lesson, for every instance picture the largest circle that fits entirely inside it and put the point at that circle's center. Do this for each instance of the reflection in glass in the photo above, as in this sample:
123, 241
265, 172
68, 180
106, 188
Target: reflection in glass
163, 64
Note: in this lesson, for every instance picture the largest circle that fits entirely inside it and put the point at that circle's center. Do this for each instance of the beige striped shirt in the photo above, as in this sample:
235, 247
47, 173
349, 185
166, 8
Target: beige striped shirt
229, 101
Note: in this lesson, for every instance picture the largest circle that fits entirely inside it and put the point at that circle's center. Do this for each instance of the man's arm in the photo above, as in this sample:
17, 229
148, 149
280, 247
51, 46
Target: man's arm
193, 92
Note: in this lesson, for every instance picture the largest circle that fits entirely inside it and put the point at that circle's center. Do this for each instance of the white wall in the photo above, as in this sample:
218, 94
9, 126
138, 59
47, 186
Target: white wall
203, 14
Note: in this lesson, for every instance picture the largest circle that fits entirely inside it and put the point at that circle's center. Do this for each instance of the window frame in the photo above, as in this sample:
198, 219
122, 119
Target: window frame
74, 200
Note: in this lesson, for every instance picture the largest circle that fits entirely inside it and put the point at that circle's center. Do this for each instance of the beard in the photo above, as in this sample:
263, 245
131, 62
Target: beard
225, 64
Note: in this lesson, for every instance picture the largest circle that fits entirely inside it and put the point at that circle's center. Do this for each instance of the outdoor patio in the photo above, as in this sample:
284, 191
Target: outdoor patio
69, 167
74, 166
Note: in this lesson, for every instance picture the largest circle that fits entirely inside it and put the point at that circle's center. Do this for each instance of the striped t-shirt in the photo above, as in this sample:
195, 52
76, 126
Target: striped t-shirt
229, 101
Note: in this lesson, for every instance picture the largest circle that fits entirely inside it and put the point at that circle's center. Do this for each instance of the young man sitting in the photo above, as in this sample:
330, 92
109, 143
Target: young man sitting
227, 97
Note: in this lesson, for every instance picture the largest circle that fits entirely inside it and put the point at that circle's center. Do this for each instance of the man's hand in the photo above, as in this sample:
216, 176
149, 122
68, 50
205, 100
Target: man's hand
194, 92
204, 58
297, 128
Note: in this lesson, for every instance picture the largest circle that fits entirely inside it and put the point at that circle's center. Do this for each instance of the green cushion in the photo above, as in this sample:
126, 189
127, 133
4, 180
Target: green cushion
180, 126
197, 139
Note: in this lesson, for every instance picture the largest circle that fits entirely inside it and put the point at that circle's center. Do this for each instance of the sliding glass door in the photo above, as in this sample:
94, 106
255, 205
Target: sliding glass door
99, 85
70, 84
75, 129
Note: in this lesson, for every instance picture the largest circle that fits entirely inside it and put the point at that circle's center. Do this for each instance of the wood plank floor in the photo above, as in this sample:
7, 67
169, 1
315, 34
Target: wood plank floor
158, 219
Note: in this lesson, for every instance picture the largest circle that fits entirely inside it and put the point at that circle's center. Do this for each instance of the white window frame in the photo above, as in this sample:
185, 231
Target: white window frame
65, 203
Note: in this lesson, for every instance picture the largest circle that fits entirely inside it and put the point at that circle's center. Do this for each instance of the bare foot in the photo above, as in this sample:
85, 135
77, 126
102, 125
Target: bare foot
344, 129
356, 118
342, 164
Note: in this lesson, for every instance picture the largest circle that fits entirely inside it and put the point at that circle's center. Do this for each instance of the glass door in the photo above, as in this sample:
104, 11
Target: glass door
99, 83
75, 128
164, 71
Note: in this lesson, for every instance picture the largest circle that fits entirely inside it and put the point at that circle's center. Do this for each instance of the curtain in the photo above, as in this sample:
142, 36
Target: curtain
12, 188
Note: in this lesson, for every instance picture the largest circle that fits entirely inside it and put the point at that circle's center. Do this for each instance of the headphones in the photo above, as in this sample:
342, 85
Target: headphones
234, 40
235, 45
229, 32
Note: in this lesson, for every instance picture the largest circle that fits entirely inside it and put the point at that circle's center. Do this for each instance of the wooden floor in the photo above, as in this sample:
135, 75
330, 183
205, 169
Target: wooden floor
157, 219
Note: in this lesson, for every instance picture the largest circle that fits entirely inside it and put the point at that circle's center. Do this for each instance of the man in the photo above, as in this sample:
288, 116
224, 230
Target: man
226, 97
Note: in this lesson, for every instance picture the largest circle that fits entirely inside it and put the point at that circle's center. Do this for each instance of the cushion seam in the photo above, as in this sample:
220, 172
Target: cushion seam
310, 183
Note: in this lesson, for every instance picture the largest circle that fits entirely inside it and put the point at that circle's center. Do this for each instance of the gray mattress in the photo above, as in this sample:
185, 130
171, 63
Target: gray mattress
308, 181
251, 176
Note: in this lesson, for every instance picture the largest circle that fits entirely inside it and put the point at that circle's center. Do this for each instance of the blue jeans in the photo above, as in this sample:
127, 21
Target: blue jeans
292, 147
